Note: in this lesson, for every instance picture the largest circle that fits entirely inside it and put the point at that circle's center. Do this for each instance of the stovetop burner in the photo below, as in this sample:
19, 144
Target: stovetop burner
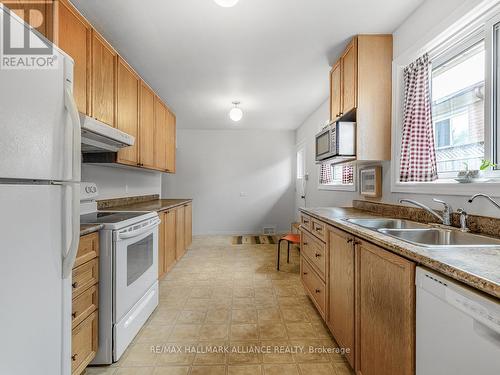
108, 217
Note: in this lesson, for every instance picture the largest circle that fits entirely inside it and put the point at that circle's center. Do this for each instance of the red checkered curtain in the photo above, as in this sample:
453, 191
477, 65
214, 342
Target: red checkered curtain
418, 155
347, 174
325, 174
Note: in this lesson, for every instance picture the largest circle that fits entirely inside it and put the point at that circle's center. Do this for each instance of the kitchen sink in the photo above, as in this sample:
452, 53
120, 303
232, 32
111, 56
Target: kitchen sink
439, 237
387, 223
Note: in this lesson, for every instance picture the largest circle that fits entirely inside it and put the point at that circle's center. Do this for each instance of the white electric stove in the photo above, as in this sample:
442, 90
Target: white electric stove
128, 273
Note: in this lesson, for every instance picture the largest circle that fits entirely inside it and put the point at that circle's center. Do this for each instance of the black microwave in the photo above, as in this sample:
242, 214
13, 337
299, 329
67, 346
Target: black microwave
336, 139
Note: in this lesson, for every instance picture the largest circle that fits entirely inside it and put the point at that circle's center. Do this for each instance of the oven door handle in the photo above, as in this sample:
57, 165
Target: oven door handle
138, 232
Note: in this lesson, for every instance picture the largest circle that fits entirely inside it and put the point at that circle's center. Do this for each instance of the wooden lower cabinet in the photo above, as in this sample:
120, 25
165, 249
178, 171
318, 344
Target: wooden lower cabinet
84, 343
366, 297
341, 284
85, 307
179, 233
385, 312
170, 240
175, 236
188, 225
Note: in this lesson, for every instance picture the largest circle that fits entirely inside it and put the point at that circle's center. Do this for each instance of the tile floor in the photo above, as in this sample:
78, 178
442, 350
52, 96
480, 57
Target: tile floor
230, 297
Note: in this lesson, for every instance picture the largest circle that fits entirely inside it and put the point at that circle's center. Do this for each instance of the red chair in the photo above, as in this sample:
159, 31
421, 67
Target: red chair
289, 238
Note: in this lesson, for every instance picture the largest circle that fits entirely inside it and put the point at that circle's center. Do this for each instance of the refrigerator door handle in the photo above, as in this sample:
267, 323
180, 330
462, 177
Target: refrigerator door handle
70, 104
69, 256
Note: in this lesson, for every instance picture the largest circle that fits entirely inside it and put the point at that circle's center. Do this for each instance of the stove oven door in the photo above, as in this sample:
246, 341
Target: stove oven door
135, 265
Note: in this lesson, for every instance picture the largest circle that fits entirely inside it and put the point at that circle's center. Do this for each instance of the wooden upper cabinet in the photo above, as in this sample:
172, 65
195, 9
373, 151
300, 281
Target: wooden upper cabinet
146, 127
341, 318
36, 13
335, 91
350, 77
73, 37
103, 80
360, 91
171, 141
127, 109
385, 304
160, 135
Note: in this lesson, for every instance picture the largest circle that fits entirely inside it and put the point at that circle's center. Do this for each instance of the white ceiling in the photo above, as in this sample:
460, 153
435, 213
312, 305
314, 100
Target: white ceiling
272, 55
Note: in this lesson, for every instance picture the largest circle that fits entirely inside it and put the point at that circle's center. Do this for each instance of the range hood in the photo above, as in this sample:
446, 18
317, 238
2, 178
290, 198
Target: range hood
98, 137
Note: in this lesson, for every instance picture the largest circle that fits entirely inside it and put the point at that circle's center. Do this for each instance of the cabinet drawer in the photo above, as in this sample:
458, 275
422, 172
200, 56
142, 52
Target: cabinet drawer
84, 305
314, 285
88, 249
318, 228
84, 344
85, 276
315, 253
306, 221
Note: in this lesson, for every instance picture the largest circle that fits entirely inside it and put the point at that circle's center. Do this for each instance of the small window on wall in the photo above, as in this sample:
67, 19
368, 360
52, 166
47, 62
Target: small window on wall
336, 177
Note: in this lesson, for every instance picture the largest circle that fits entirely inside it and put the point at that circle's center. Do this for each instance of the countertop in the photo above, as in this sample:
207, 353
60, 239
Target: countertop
478, 267
89, 228
152, 205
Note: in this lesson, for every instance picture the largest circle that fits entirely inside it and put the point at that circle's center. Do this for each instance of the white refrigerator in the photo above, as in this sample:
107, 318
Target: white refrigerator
40, 162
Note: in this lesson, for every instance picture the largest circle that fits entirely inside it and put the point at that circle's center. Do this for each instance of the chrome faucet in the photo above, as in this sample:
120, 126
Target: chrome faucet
485, 196
445, 217
463, 220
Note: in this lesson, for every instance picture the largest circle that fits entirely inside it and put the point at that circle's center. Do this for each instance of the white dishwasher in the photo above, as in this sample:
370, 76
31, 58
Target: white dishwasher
458, 328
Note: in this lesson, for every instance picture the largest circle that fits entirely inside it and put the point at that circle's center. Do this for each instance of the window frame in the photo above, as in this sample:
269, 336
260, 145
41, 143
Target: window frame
339, 187
448, 36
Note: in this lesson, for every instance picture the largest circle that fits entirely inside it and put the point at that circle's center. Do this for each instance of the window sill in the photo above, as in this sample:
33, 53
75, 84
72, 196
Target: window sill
448, 187
337, 187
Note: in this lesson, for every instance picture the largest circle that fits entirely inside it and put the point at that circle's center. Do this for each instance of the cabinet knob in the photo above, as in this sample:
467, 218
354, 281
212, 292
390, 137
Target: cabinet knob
349, 240
304, 273
357, 242
73, 357
317, 255
305, 243
74, 285
74, 315
341, 113
318, 291
318, 229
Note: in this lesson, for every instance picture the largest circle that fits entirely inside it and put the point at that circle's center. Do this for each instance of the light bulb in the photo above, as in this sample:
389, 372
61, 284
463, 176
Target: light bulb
226, 3
236, 114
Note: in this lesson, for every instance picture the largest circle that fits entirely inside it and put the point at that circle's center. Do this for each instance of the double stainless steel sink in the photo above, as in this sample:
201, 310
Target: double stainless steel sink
426, 235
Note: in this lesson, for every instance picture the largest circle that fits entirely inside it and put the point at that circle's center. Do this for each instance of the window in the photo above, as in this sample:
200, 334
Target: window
300, 164
336, 177
458, 100
464, 96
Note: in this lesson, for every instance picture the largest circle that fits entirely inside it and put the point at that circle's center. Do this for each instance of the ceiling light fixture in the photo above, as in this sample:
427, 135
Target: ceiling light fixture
226, 3
236, 114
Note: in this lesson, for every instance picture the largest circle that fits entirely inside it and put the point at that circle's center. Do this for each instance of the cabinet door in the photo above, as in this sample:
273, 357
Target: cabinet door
84, 343
179, 233
73, 37
127, 110
171, 141
188, 225
36, 13
335, 91
350, 77
170, 239
341, 288
146, 127
161, 246
160, 135
385, 327
103, 80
